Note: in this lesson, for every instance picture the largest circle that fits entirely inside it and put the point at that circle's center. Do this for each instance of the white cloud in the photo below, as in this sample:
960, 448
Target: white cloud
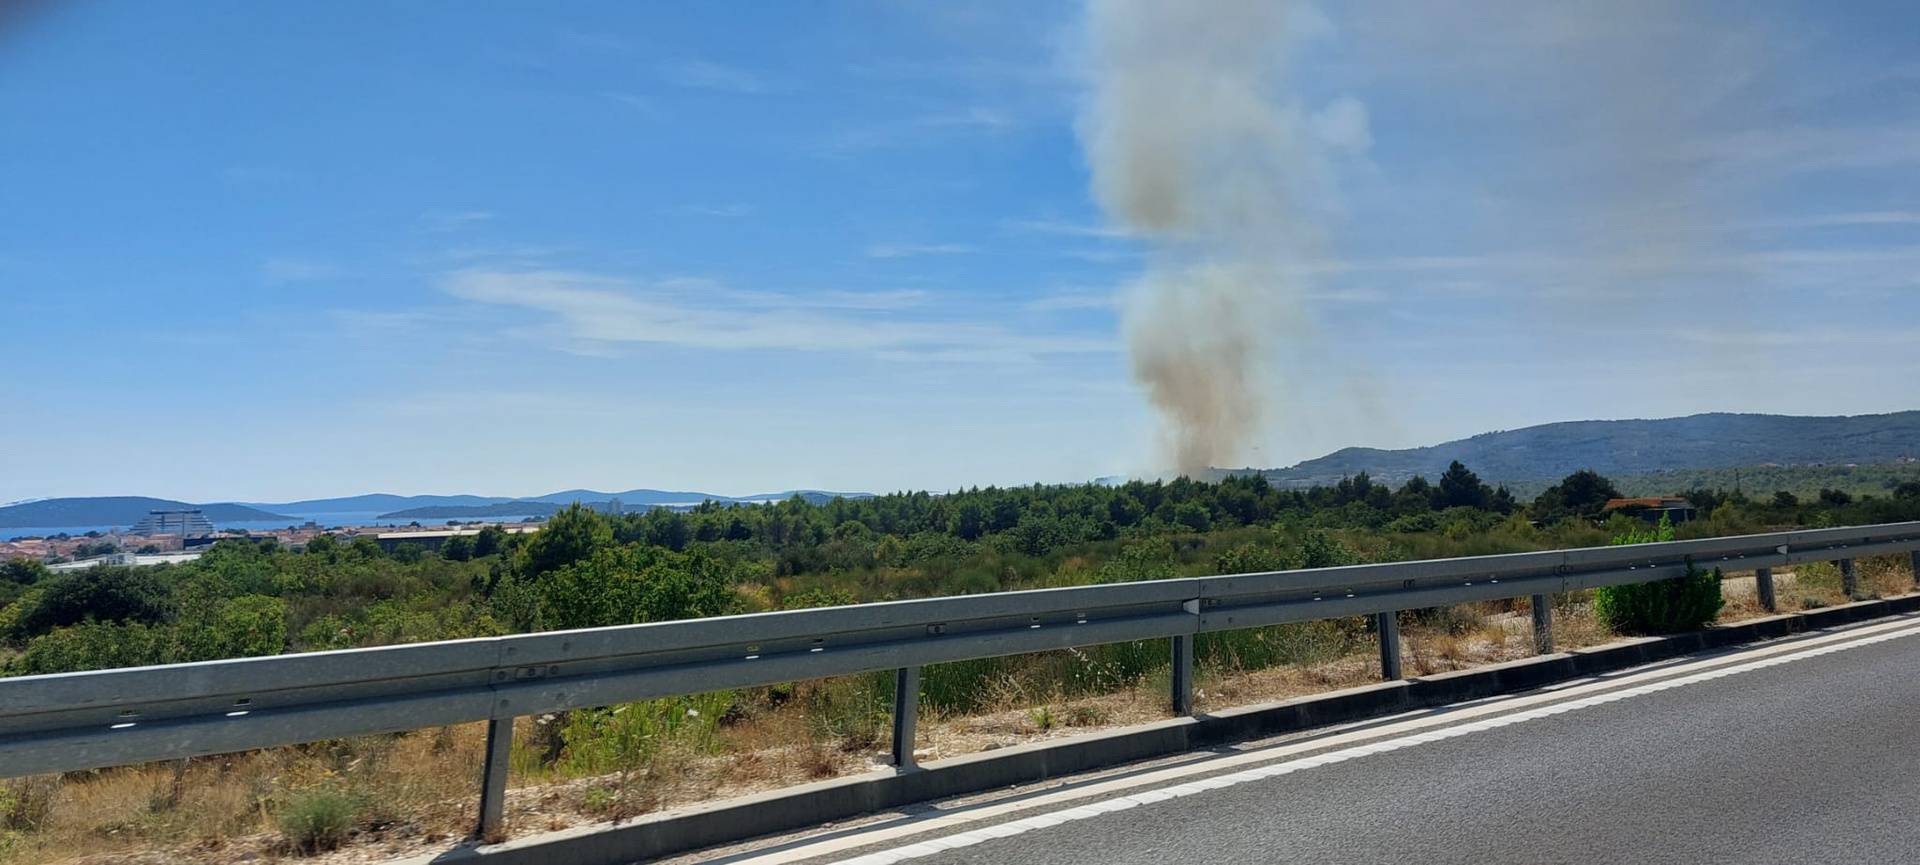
909, 250
976, 116
916, 129
708, 75
594, 314
1075, 300
1067, 229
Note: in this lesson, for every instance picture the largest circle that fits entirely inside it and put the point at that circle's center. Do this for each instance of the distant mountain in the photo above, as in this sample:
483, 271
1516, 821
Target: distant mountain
120, 511
526, 508
630, 497
1630, 447
635, 500
649, 497
376, 502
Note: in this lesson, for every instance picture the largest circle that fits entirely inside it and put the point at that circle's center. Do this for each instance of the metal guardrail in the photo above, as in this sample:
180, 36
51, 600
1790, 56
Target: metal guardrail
72, 721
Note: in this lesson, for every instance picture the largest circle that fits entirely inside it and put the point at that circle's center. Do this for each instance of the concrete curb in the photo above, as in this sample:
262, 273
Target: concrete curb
692, 828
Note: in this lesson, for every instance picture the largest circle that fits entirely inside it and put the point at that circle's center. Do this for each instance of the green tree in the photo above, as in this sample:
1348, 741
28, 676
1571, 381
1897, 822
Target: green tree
618, 586
23, 571
574, 534
323, 546
969, 520
1581, 494
103, 594
458, 548
1193, 516
1461, 488
489, 541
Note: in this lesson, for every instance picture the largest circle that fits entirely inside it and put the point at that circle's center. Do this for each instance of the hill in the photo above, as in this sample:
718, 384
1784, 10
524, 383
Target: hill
1631, 447
375, 502
117, 511
641, 499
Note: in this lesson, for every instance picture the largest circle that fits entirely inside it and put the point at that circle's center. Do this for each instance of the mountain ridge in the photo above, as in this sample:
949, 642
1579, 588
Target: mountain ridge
118, 510
1629, 446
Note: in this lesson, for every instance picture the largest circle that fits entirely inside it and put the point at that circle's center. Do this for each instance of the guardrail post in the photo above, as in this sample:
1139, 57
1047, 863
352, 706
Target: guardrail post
906, 714
1182, 675
1388, 624
1848, 584
1763, 584
493, 779
1542, 625
1915, 561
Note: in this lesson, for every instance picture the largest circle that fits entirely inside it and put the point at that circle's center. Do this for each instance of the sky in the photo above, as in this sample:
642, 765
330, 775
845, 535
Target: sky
264, 252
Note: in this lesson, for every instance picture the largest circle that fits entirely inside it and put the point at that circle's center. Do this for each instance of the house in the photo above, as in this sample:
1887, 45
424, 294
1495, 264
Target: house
1651, 508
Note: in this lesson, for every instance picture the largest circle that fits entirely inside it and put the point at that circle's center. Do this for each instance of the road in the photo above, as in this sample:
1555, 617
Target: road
1798, 752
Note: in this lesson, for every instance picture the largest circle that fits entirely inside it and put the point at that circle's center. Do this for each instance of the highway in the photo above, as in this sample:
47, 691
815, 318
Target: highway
1796, 751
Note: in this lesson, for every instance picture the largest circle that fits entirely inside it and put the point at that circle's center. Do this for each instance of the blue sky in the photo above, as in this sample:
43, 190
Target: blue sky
273, 251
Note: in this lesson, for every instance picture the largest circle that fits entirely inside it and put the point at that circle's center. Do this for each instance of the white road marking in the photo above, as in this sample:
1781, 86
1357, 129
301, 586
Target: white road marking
1160, 786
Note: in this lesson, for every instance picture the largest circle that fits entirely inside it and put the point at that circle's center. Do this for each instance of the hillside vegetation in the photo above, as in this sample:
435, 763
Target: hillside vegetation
1631, 447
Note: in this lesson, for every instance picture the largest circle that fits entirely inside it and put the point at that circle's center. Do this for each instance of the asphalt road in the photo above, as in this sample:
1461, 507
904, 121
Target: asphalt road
1817, 760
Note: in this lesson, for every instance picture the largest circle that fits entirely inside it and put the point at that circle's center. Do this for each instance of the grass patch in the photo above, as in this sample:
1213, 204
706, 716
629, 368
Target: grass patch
318, 820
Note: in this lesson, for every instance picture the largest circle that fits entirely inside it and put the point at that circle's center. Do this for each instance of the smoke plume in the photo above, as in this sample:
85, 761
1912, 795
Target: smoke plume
1196, 148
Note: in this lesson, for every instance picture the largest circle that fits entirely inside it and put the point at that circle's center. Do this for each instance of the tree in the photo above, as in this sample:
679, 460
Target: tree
617, 586
574, 534
26, 572
1835, 498
1784, 499
969, 520
1460, 488
1193, 516
103, 594
323, 545
489, 541
458, 548
1581, 494
1414, 496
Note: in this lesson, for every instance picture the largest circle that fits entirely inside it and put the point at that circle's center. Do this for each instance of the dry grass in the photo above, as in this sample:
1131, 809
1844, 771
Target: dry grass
419, 790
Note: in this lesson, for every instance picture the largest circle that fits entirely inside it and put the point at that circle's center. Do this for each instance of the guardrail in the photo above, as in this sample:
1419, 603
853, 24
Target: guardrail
102, 718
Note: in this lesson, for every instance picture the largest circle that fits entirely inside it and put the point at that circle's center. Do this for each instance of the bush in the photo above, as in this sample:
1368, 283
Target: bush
1683, 603
314, 821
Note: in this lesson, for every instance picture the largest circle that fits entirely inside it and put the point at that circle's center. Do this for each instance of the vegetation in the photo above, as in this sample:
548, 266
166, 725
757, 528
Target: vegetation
317, 820
1683, 603
588, 569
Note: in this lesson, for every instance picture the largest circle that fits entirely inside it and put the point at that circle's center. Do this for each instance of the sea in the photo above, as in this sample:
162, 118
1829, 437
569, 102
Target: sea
329, 519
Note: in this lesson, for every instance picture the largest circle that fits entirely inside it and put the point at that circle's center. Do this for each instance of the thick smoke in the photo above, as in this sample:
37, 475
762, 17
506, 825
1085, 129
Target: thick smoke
1196, 149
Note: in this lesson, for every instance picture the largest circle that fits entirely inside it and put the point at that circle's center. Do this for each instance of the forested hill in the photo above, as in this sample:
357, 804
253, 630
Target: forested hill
1625, 447
116, 511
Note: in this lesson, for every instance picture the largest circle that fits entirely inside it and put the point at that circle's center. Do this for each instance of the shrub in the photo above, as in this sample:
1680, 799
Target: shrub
317, 820
1683, 603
